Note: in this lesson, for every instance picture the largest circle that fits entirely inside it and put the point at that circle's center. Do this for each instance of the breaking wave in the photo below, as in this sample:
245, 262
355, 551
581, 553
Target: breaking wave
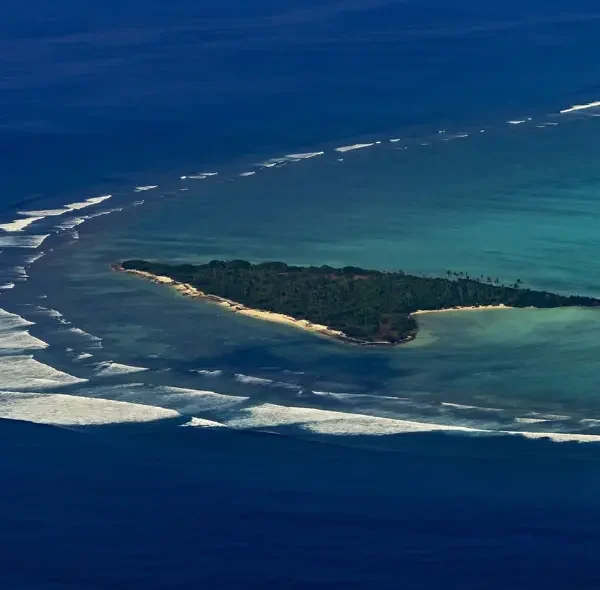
203, 423
14, 336
581, 107
22, 241
67, 410
349, 148
249, 380
86, 335
19, 224
209, 373
23, 372
328, 422
34, 257
110, 369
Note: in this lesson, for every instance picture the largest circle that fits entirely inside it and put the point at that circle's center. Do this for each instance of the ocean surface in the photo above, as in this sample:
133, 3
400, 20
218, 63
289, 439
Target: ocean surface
154, 441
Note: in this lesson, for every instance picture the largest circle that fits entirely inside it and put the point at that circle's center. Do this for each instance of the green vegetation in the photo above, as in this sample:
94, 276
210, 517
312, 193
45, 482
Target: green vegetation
368, 306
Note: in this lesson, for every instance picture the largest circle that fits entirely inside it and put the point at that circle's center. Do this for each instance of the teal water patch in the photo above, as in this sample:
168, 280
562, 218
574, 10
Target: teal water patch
518, 203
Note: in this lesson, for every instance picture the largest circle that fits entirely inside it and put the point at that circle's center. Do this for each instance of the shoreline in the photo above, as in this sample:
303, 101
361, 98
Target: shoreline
465, 308
270, 316
279, 318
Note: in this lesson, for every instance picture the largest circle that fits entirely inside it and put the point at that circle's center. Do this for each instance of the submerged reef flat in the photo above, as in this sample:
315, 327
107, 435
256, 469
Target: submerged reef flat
351, 304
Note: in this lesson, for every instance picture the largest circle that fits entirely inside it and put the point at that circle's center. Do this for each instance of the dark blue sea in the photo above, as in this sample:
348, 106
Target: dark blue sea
153, 441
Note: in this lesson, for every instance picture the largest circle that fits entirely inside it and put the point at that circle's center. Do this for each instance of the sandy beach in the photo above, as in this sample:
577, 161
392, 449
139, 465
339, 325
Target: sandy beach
466, 308
190, 291
269, 316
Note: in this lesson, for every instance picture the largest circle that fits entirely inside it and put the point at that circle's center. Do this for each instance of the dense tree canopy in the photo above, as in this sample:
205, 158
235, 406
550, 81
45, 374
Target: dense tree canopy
367, 305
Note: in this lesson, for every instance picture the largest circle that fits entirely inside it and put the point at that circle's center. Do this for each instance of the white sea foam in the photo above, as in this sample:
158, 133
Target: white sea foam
202, 423
87, 203
208, 373
71, 223
66, 208
581, 107
361, 396
51, 313
252, 173
97, 341
356, 146
451, 137
107, 212
304, 156
13, 320
83, 355
344, 424
198, 175
14, 336
23, 372
19, 224
110, 369
560, 436
395, 140
516, 121
137, 203
466, 407
20, 340
550, 416
287, 385
31, 259
22, 241
248, 379
68, 410
20, 273
7, 286
530, 420
45, 212
141, 189
194, 400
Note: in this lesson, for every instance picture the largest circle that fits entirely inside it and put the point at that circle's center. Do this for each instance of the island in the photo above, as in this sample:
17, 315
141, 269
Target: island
355, 305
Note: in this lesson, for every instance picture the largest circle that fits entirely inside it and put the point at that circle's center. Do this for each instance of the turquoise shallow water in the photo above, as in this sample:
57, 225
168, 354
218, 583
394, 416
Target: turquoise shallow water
516, 201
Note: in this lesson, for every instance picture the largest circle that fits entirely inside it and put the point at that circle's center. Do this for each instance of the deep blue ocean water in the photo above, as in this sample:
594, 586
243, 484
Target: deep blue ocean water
305, 464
